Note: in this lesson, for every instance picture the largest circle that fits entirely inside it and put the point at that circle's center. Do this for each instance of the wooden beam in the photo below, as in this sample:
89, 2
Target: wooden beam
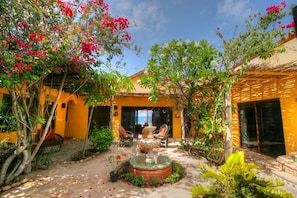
272, 73
256, 79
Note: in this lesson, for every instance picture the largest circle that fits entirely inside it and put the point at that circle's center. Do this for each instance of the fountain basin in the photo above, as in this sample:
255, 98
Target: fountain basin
161, 169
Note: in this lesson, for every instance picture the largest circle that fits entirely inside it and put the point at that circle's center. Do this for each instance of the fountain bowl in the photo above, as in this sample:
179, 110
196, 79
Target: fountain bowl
161, 169
149, 143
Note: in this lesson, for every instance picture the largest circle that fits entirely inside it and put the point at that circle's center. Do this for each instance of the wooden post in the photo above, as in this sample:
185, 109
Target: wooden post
294, 12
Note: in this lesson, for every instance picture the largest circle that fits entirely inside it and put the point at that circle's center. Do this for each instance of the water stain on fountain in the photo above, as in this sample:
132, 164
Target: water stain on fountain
150, 165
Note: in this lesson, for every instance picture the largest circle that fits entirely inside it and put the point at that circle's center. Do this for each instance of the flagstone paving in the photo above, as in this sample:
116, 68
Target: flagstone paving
90, 178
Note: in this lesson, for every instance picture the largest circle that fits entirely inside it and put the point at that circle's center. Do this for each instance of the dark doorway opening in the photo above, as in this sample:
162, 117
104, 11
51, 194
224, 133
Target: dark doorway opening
100, 117
261, 127
134, 118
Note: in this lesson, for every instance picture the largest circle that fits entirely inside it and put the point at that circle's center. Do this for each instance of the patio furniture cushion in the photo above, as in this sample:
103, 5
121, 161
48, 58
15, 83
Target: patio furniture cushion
162, 134
123, 132
126, 137
50, 134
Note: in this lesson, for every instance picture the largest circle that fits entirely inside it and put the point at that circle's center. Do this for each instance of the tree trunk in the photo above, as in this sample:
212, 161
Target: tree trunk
228, 143
17, 170
183, 125
88, 131
111, 112
23, 144
48, 123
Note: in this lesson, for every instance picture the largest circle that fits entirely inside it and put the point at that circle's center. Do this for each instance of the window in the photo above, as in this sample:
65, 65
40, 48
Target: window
47, 112
7, 119
144, 116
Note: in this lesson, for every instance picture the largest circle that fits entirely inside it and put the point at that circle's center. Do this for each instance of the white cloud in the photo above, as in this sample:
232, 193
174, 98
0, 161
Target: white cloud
236, 10
144, 14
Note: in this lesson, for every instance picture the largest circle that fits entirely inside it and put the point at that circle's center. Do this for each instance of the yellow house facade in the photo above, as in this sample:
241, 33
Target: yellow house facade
264, 108
265, 104
70, 118
133, 110
130, 110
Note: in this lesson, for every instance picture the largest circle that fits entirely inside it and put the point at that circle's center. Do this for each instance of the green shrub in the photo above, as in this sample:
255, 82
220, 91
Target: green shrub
155, 181
173, 178
177, 168
101, 139
236, 178
128, 177
138, 180
177, 173
43, 158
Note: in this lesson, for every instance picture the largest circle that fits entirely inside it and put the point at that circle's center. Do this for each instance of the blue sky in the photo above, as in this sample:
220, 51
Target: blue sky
159, 21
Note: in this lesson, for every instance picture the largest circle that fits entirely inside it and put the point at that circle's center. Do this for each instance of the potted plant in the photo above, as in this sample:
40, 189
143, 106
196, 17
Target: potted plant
114, 161
42, 160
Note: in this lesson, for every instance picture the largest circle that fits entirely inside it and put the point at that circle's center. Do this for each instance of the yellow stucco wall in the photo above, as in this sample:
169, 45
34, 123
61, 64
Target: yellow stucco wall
77, 121
284, 89
76, 124
71, 114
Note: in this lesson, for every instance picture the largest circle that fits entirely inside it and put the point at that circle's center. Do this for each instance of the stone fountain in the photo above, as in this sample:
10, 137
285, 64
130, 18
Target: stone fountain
150, 165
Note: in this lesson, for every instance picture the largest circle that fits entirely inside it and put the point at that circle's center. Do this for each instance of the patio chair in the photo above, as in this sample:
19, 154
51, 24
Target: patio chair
162, 134
126, 137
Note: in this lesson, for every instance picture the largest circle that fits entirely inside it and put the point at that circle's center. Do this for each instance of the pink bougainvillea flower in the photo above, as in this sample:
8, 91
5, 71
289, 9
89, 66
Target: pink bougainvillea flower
41, 37
283, 4
122, 22
58, 68
19, 65
88, 47
18, 56
23, 24
65, 6
68, 12
126, 36
82, 8
8, 74
272, 9
290, 25
32, 35
28, 67
275, 9
57, 28
103, 5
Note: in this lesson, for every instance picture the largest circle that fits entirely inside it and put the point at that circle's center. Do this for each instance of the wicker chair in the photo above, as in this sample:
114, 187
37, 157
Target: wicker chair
162, 134
126, 137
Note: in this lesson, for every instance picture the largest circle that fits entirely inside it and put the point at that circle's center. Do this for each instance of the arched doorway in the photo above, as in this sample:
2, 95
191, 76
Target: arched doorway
69, 116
